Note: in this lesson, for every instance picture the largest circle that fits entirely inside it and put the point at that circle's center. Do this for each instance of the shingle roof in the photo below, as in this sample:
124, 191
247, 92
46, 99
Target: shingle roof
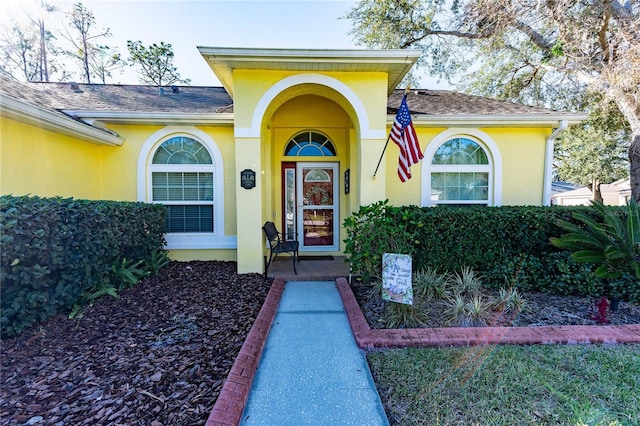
27, 93
25, 103
124, 98
215, 100
444, 102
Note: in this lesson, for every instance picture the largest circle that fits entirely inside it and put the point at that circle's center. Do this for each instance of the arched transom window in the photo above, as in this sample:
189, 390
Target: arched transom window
310, 144
182, 178
460, 173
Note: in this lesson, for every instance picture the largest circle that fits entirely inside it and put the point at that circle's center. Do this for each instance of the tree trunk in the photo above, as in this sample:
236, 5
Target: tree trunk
630, 108
595, 190
634, 165
43, 53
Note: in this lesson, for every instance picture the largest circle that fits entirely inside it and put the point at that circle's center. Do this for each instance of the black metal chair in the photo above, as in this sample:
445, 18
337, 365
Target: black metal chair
277, 245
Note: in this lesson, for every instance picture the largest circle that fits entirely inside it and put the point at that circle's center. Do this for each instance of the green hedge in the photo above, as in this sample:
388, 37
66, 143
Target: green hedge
55, 250
507, 245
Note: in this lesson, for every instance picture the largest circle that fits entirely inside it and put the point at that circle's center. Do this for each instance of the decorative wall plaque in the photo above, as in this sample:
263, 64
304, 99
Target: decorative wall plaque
248, 179
347, 181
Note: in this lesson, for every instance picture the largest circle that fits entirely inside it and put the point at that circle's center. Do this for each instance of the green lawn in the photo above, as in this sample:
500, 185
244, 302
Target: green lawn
510, 385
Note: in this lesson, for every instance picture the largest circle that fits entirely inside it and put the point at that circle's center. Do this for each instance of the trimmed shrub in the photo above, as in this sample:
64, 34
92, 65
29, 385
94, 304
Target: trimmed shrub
508, 245
55, 250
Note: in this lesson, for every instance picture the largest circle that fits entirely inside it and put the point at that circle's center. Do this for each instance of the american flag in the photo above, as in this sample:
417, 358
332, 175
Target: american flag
404, 135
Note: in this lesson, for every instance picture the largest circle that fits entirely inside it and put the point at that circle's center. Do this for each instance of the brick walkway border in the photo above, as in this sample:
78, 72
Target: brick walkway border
229, 406
368, 338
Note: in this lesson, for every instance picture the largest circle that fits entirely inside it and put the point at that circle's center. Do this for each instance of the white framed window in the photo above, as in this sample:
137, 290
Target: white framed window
182, 168
182, 179
461, 167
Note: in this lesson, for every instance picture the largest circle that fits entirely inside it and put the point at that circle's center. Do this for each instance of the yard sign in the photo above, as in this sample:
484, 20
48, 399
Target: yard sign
396, 278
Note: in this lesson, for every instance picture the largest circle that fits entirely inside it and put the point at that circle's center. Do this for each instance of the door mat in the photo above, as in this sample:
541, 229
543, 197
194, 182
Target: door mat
304, 258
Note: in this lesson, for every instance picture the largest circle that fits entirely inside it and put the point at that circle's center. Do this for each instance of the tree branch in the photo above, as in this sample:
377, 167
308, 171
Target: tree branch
602, 34
430, 32
533, 35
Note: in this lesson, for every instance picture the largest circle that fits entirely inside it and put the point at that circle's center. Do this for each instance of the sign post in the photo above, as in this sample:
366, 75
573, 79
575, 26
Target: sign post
396, 278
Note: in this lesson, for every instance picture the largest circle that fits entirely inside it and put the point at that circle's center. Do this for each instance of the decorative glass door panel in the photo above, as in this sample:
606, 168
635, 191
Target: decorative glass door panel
289, 199
317, 205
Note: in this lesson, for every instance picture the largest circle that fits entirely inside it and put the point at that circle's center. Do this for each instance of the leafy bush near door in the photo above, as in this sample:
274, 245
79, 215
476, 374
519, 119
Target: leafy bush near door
380, 228
509, 246
56, 252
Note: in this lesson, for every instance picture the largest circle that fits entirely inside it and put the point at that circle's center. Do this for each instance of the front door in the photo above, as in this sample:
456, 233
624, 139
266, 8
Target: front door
316, 196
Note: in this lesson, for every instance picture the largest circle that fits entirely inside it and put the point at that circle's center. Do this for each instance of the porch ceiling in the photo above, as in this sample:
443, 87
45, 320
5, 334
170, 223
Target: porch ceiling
223, 61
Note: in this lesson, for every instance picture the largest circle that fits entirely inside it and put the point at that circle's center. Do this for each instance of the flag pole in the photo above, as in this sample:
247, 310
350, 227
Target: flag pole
406, 90
382, 155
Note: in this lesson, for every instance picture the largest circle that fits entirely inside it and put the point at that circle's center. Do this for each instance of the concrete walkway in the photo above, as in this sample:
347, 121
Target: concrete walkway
311, 371
309, 329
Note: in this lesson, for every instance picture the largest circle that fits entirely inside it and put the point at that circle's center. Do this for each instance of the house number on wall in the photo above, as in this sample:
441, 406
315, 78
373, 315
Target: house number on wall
248, 179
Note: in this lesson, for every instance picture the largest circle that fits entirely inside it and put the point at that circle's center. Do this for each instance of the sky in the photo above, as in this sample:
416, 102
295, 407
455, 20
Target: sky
186, 25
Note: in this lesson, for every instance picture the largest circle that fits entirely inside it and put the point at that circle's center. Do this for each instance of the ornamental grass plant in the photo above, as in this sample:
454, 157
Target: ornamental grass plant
460, 297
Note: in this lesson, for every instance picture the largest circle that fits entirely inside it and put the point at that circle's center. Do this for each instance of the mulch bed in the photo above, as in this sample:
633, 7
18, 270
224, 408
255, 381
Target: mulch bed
158, 355
540, 310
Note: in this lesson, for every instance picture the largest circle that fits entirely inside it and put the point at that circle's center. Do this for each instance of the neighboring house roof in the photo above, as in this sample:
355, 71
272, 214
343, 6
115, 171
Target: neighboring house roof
615, 193
561, 187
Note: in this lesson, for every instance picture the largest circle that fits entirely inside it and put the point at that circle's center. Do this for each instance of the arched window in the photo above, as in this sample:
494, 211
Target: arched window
310, 144
182, 178
182, 168
460, 169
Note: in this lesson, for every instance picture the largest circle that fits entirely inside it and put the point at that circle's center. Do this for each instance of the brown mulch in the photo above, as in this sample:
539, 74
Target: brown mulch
539, 310
158, 355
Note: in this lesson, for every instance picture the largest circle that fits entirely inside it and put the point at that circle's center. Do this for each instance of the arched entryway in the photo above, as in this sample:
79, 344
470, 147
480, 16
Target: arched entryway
309, 143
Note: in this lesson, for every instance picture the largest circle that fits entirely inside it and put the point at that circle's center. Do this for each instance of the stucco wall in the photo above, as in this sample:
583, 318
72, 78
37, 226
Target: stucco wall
43, 163
522, 151
522, 159
39, 162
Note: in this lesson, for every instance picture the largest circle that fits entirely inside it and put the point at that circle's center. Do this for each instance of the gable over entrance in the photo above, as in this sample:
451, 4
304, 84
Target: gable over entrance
261, 82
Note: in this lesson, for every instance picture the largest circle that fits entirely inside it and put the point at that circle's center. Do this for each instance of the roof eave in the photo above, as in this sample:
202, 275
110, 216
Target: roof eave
28, 113
493, 120
164, 118
224, 60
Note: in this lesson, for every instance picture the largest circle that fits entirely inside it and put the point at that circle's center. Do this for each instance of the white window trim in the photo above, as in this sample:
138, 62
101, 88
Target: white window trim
182, 241
493, 155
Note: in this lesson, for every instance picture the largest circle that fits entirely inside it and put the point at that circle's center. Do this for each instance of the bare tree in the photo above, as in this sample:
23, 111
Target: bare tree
44, 39
19, 60
84, 40
104, 62
26, 48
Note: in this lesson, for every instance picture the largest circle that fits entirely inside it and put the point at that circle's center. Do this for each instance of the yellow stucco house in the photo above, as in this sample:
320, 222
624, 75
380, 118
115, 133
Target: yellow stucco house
294, 136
